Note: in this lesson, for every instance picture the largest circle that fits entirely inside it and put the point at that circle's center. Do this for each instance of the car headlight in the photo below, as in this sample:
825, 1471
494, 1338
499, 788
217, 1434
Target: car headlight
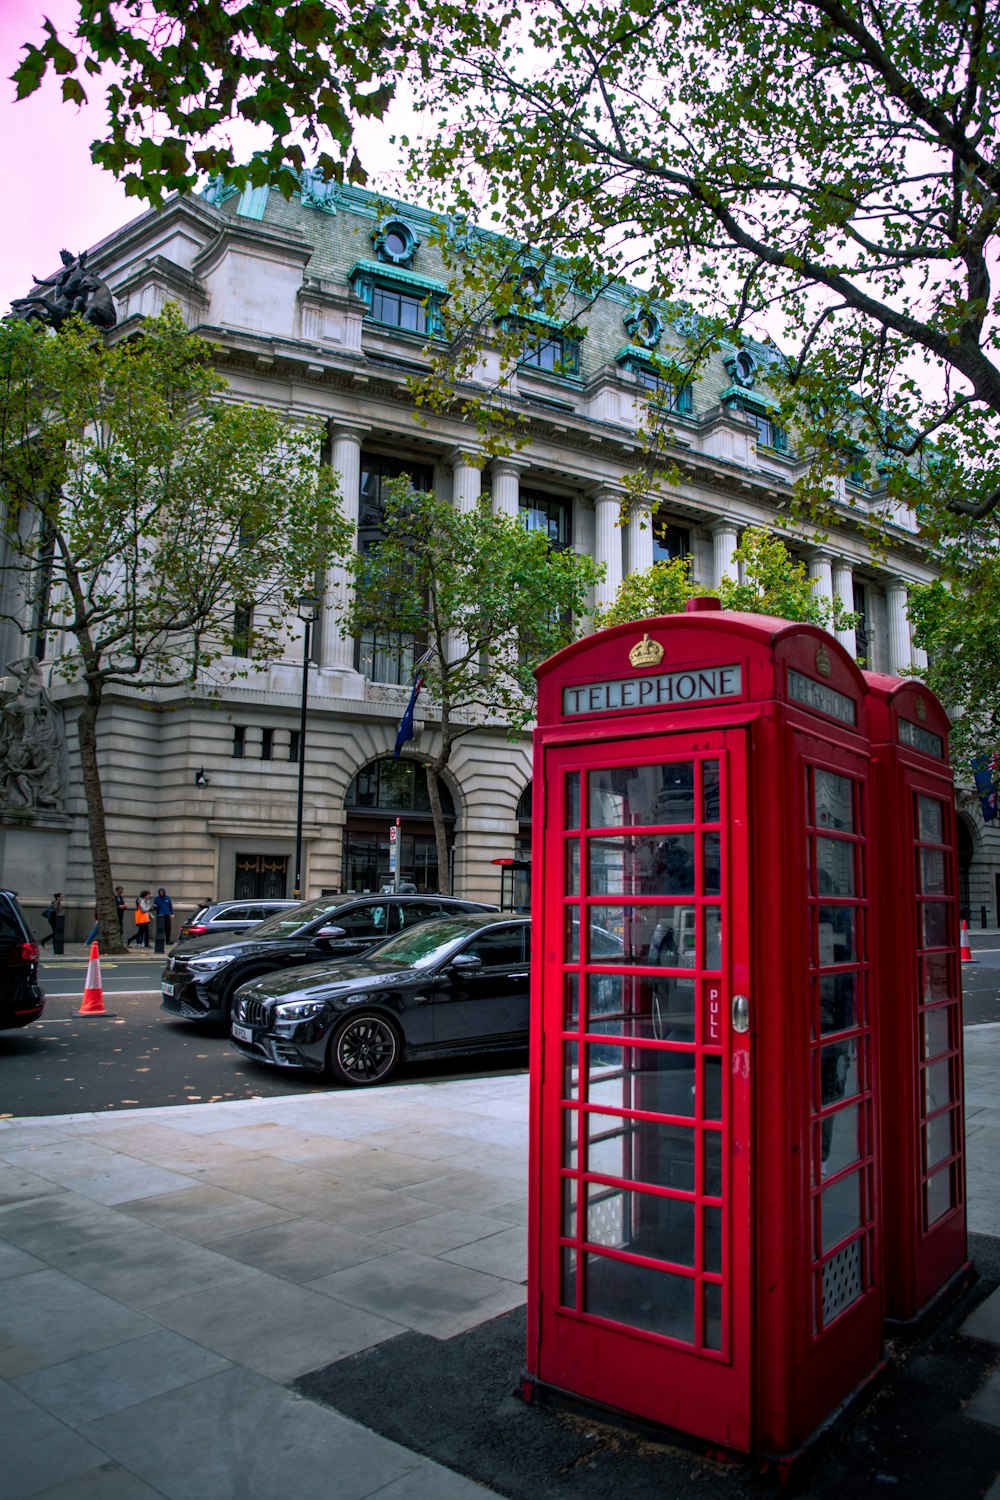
299, 1010
210, 963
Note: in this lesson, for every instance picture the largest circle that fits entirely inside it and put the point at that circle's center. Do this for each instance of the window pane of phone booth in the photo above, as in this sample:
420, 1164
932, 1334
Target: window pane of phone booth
937, 983
634, 796
939, 1195
937, 1084
939, 1138
573, 799
937, 1032
934, 924
930, 820
839, 1023
573, 867
932, 877
642, 1296
647, 1070
571, 1001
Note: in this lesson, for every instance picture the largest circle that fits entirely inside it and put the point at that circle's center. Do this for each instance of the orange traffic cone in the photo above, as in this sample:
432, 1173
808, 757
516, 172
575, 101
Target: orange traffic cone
967, 957
93, 993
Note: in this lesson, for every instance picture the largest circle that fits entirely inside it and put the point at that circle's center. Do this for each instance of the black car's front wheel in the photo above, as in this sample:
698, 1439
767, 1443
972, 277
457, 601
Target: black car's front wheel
364, 1049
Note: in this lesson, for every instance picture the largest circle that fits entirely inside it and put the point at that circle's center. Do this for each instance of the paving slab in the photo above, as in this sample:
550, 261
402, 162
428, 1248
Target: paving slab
410, 1289
50, 1317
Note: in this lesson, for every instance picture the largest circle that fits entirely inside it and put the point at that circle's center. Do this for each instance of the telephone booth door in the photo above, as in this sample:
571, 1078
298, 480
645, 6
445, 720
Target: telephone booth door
645, 1250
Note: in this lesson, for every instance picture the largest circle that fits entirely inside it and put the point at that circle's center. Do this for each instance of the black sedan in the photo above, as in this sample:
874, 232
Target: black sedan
458, 985
203, 974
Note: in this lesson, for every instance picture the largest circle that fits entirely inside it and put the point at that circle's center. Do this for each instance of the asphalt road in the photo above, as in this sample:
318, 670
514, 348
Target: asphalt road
135, 1057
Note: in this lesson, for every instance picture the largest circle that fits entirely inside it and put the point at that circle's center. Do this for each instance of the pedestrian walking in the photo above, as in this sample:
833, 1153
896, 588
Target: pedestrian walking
96, 927
120, 908
143, 907
52, 914
164, 909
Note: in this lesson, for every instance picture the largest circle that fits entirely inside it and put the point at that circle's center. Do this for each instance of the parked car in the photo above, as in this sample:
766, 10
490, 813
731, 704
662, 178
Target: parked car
230, 916
204, 973
455, 985
22, 1000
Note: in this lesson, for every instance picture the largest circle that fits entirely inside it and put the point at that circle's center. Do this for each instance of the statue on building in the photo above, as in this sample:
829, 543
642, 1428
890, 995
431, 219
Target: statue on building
32, 744
318, 191
75, 290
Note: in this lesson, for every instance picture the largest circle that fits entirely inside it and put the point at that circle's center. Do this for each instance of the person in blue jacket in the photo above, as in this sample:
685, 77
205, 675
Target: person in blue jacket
164, 907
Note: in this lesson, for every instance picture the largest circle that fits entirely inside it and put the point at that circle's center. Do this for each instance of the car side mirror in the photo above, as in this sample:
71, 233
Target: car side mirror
331, 932
466, 961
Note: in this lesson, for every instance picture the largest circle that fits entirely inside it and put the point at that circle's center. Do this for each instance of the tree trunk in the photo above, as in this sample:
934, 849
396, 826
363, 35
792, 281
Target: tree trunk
440, 836
86, 729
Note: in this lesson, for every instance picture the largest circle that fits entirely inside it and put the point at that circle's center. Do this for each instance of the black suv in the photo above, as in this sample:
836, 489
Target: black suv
202, 975
21, 999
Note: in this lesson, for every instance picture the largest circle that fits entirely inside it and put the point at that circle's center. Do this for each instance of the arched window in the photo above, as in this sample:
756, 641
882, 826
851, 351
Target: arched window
381, 792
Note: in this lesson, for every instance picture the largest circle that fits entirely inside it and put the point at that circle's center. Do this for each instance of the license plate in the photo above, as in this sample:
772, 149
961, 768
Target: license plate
168, 989
242, 1033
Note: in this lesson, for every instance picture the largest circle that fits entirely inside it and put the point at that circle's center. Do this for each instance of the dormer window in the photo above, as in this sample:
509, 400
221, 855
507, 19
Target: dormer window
399, 298
644, 327
395, 243
663, 390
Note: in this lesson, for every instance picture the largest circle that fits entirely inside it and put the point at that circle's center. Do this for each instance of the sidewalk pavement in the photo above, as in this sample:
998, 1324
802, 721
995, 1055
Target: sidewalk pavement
168, 1273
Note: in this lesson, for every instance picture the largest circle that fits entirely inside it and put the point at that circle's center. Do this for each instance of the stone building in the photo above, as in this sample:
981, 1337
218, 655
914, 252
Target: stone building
321, 306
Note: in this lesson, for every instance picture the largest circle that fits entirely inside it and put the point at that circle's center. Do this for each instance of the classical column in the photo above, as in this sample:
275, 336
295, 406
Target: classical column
900, 656
821, 572
336, 651
843, 589
505, 474
640, 537
467, 480
725, 540
608, 541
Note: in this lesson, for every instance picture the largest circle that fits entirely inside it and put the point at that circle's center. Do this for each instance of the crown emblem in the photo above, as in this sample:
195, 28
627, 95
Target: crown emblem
823, 665
646, 653
921, 709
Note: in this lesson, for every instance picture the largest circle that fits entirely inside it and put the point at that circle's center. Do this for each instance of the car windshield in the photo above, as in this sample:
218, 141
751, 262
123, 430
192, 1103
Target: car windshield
422, 946
288, 923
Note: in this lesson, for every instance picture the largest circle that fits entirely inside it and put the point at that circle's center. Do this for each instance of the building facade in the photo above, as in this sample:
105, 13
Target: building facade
321, 307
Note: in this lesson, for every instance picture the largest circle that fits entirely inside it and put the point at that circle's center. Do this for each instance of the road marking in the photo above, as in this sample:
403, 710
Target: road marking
109, 994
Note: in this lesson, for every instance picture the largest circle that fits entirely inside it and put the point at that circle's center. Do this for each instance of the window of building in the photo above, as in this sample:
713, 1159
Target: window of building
239, 741
400, 309
242, 627
670, 541
395, 243
549, 514
261, 877
294, 742
769, 434
266, 743
385, 655
381, 791
555, 352
397, 786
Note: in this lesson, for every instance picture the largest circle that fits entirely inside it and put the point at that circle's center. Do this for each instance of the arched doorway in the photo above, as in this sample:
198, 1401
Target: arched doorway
381, 792
966, 850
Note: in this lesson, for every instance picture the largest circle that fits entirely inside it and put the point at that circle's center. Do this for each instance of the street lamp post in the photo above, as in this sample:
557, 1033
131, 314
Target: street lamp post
307, 611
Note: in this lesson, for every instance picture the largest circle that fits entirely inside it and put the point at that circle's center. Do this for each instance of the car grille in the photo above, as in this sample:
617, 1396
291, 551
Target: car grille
253, 1012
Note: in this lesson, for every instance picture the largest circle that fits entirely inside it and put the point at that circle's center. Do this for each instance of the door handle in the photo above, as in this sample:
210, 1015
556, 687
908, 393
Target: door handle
741, 1013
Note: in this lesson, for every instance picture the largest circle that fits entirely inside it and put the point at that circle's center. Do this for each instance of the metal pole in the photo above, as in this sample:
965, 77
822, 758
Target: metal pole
297, 891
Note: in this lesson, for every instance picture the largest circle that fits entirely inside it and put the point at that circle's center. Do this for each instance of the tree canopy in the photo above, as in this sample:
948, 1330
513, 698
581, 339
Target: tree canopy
140, 508
483, 599
826, 167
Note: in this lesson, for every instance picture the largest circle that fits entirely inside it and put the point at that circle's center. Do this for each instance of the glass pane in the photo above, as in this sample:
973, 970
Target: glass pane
712, 862
642, 865
838, 1072
713, 1316
660, 1010
939, 1138
571, 1131
625, 796
710, 791
837, 939
569, 1278
571, 1070
838, 1002
713, 937
930, 820
840, 1140
660, 1228
932, 872
573, 799
641, 1151
935, 924
840, 1210
713, 1239
653, 1079
572, 943
936, 985
571, 1002
712, 1109
712, 1140
570, 1187
936, 1033
640, 1297
640, 934
834, 801
835, 867
937, 1085
607, 1217
940, 1197
573, 867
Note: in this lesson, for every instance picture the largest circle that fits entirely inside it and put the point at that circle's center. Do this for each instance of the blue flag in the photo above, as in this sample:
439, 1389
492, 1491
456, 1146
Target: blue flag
405, 730
983, 767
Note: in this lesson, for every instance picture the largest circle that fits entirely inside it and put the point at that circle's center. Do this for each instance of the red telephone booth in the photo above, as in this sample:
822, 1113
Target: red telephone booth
704, 1230
925, 1244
